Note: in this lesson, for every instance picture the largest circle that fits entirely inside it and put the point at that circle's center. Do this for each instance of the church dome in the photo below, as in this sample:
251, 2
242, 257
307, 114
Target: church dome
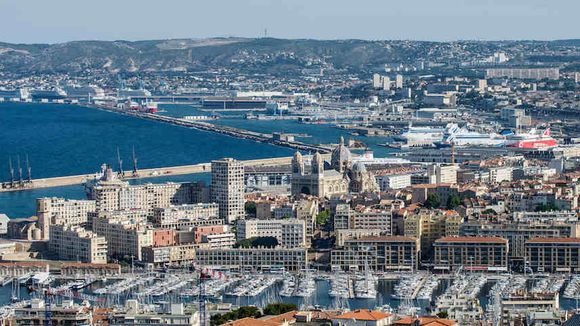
359, 167
340, 155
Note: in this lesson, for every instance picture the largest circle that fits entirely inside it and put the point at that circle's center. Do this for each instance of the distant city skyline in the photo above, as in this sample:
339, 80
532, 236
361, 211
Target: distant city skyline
444, 20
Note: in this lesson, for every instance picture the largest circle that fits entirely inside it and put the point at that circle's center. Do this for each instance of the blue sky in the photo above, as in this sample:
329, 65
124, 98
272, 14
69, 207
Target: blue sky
43, 21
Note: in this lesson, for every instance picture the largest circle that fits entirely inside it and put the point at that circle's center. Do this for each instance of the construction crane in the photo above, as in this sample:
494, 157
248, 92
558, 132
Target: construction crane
135, 173
120, 163
47, 306
28, 170
204, 275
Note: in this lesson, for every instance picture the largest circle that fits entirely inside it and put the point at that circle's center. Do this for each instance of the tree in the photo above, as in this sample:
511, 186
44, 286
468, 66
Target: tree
323, 217
489, 211
279, 308
269, 242
432, 201
453, 202
547, 208
442, 314
242, 312
250, 208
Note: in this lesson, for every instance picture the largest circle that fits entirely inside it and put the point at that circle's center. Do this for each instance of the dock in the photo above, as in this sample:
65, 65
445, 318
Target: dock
142, 174
224, 130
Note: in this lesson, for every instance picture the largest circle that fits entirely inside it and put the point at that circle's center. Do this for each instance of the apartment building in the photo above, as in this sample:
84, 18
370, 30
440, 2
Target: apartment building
362, 217
394, 181
553, 254
471, 253
179, 253
219, 240
290, 233
77, 244
442, 173
430, 225
379, 253
347, 234
174, 216
112, 194
126, 237
227, 188
60, 211
518, 233
523, 73
307, 210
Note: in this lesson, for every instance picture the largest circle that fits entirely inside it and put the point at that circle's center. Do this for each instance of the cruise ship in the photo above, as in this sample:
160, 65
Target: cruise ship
533, 139
426, 133
464, 137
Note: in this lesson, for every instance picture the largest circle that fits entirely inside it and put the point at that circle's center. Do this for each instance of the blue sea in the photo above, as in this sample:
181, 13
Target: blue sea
69, 140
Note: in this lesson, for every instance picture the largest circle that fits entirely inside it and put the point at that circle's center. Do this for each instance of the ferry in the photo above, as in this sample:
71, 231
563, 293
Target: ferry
464, 137
533, 139
425, 134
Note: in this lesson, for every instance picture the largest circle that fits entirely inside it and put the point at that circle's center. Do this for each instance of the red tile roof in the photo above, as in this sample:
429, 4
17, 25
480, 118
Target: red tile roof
364, 314
425, 321
554, 240
289, 316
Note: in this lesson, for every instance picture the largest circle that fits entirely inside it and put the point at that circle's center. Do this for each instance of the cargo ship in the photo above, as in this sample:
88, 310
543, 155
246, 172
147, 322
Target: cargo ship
533, 139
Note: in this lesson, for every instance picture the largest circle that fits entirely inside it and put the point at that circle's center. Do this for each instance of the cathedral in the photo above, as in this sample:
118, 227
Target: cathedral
325, 180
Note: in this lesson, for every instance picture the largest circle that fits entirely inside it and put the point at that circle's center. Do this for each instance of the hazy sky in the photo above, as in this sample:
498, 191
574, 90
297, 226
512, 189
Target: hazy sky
50, 21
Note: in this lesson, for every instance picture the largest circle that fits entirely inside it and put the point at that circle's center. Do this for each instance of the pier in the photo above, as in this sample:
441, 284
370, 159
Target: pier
142, 174
224, 130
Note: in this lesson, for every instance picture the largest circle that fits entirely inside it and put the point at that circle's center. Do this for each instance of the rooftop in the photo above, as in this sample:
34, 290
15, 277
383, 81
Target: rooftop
364, 314
554, 240
457, 239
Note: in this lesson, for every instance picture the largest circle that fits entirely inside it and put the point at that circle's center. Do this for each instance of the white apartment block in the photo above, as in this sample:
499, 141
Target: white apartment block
290, 233
174, 216
523, 73
307, 210
219, 240
438, 173
77, 244
132, 215
500, 174
393, 181
119, 195
362, 218
227, 188
60, 211
125, 237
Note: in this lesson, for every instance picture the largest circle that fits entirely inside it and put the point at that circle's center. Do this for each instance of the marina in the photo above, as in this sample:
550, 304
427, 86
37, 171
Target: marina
461, 295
